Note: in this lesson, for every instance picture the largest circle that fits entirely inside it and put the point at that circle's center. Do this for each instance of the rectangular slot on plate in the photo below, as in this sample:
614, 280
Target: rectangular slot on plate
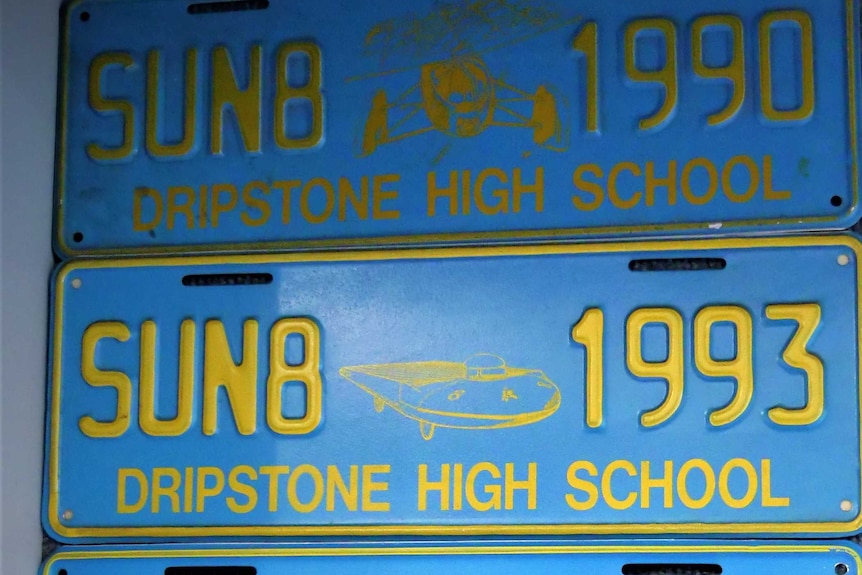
212, 570
233, 6
675, 568
203, 280
677, 264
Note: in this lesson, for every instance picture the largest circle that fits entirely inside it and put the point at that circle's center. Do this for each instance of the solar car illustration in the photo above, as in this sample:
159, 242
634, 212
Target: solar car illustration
461, 98
480, 393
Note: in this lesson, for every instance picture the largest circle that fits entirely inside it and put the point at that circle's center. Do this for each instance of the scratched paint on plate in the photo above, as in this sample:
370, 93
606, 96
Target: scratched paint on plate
709, 558
310, 123
532, 390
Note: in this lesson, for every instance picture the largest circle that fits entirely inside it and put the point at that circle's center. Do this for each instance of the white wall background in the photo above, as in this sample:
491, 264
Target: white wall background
28, 83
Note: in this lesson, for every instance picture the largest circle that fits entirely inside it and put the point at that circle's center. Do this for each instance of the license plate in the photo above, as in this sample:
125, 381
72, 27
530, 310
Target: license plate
665, 387
260, 125
636, 558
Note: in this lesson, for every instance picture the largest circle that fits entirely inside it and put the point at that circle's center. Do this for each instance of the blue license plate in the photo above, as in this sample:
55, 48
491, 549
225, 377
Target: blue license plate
633, 558
666, 387
261, 125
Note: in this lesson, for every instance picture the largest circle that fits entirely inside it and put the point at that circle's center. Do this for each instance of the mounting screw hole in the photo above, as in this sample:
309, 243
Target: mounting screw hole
78, 237
841, 569
843, 260
836, 201
76, 283
67, 515
85, 16
62, 572
846, 505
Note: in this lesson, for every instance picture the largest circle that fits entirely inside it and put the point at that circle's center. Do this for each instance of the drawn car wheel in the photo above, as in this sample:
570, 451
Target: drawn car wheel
379, 404
547, 128
376, 125
427, 429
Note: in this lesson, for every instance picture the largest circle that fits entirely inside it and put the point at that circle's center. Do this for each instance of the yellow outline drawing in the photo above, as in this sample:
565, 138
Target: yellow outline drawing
480, 393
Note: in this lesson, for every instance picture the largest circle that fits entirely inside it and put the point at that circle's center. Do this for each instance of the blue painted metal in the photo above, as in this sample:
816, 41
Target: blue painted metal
476, 100
737, 558
462, 361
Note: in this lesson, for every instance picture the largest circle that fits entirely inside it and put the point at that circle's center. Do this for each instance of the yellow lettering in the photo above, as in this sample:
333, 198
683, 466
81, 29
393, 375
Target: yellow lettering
614, 196
379, 195
244, 102
255, 203
219, 207
724, 479
169, 491
203, 491
528, 485
185, 145
425, 486
316, 497
682, 485
139, 194
502, 194
323, 184
591, 188
450, 193
105, 105
587, 487
494, 491
607, 477
369, 487
273, 472
753, 178
185, 208
519, 189
346, 192
123, 475
334, 481
686, 181
99, 378
767, 500
665, 483
242, 488
150, 424
653, 182
768, 192
239, 380
286, 186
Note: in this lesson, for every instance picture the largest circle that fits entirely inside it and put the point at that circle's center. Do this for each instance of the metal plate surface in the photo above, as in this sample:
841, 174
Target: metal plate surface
531, 390
799, 558
312, 123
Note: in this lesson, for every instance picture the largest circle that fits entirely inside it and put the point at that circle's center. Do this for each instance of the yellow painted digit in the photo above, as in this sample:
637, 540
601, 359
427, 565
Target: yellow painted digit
806, 107
671, 369
307, 372
102, 104
184, 146
310, 91
586, 42
734, 71
666, 75
796, 354
739, 368
589, 332
103, 378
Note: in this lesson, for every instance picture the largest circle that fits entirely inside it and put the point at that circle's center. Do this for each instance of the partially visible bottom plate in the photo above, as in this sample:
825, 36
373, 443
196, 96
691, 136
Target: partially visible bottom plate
611, 558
